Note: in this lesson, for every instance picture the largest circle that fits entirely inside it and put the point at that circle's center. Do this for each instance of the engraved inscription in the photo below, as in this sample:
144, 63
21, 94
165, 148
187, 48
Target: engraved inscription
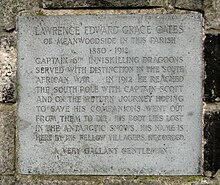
113, 94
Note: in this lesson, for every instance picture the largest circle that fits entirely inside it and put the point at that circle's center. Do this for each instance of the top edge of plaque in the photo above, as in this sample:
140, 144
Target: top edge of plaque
197, 15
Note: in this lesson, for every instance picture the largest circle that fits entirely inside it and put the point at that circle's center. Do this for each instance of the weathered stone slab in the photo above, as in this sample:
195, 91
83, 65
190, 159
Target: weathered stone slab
110, 94
100, 3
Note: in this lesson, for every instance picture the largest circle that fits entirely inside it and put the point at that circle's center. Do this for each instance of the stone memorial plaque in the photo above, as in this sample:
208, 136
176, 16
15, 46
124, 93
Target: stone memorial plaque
110, 94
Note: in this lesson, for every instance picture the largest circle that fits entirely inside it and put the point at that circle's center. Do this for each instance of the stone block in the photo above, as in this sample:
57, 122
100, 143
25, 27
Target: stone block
212, 138
10, 9
101, 3
113, 180
188, 4
7, 138
61, 180
7, 69
212, 14
7, 180
212, 68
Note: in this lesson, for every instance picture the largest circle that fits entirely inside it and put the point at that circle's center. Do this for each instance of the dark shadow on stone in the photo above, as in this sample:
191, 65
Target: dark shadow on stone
68, 4
212, 137
212, 67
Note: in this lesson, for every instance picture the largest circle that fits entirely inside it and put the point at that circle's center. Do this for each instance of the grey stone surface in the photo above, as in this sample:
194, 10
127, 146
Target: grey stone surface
212, 14
7, 135
7, 69
101, 3
110, 94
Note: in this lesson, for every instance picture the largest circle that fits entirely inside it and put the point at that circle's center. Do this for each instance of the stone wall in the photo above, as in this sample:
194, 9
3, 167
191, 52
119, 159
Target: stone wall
9, 9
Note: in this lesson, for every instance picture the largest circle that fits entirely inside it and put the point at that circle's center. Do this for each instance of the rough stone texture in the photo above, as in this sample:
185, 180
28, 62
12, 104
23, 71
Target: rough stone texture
10, 8
30, 180
116, 180
212, 14
101, 3
1, 17
217, 177
212, 68
7, 135
7, 180
212, 138
187, 4
7, 69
